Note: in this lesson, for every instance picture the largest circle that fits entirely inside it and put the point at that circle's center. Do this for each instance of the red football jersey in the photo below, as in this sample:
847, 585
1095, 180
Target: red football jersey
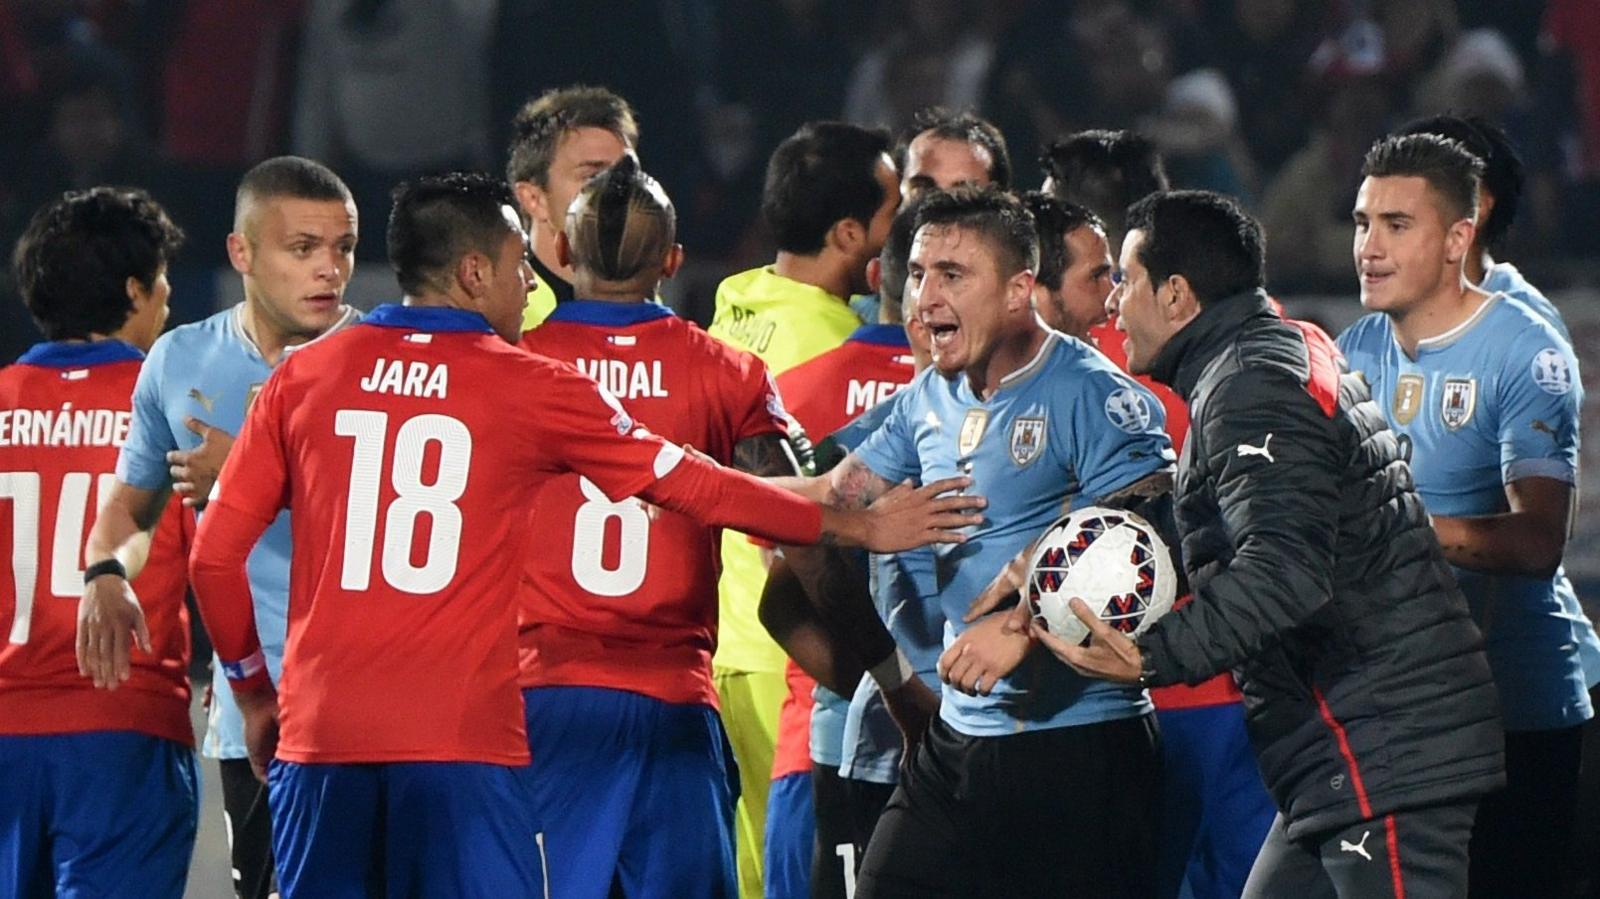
624, 595
410, 449
825, 394
64, 411
1220, 689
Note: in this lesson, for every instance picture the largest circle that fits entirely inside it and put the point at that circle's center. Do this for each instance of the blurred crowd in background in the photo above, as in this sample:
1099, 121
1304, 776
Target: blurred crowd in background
1274, 101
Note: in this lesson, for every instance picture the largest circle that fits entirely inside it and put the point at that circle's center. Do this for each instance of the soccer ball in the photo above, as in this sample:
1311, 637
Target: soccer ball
1111, 559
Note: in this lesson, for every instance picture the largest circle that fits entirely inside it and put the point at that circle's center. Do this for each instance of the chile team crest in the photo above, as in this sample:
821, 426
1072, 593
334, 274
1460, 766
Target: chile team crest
1460, 399
1027, 439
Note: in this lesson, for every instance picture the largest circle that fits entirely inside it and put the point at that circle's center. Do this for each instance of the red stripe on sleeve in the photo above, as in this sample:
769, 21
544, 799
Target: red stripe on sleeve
1345, 750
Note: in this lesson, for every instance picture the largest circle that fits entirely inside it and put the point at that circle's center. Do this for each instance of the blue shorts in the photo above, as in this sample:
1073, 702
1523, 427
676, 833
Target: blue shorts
105, 813
403, 829
632, 791
791, 835
1215, 812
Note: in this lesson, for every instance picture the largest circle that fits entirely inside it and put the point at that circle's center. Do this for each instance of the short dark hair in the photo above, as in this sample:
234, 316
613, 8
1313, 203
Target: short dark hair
437, 219
895, 259
1449, 167
73, 262
1106, 171
1205, 237
994, 214
541, 122
966, 127
820, 175
1054, 220
289, 176
1503, 174
621, 224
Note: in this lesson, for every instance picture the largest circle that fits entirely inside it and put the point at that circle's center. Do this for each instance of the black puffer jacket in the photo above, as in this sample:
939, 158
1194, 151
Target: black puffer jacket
1317, 578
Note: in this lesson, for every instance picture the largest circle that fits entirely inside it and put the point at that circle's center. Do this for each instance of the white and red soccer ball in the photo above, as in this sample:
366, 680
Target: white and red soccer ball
1111, 559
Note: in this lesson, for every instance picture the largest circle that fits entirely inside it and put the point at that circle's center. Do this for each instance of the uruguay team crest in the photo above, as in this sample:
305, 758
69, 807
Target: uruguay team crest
1407, 398
972, 428
1551, 372
1127, 409
1027, 439
1460, 399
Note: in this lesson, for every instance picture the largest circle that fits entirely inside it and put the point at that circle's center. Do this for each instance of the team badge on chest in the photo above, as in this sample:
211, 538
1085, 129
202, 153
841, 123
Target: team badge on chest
1408, 393
1460, 399
972, 428
1027, 439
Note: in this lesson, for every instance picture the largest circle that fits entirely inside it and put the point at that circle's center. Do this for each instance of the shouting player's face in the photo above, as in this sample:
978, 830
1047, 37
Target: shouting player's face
296, 257
1407, 250
960, 296
1080, 304
1138, 305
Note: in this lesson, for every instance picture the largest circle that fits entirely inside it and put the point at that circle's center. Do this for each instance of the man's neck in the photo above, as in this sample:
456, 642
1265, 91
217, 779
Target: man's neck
1013, 353
818, 271
544, 249
270, 342
1478, 265
1441, 313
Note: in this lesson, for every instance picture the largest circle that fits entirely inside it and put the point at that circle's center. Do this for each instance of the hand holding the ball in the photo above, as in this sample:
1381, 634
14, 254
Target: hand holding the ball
986, 652
1109, 655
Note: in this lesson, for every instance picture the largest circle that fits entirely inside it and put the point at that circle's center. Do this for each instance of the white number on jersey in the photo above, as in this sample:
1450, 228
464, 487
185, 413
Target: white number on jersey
413, 498
589, 543
66, 547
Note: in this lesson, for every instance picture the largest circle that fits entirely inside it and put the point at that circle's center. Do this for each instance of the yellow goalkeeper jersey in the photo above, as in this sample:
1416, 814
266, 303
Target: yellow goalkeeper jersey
785, 322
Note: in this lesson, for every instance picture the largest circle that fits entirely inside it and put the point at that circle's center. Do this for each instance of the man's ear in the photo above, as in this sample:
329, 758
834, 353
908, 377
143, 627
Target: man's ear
673, 262
472, 273
1458, 240
845, 235
1019, 291
532, 200
875, 274
1182, 303
239, 252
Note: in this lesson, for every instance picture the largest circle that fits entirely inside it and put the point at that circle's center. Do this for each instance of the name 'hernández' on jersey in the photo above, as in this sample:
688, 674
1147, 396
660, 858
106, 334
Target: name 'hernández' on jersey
1065, 430
1492, 400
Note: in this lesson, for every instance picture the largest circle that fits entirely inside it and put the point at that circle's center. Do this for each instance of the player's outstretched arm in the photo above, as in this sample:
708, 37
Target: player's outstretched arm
1529, 540
110, 619
194, 472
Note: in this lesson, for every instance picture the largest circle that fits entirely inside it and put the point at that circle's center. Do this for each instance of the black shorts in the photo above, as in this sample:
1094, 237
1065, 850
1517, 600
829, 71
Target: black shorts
244, 801
1412, 854
846, 813
1062, 813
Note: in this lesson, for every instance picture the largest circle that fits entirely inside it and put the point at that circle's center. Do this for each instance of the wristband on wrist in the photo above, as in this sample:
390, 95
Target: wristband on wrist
245, 668
105, 566
892, 672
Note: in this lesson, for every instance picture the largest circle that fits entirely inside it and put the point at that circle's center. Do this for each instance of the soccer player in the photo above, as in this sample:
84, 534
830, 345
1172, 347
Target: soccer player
560, 140
1047, 785
101, 795
402, 761
810, 809
1482, 392
830, 194
293, 245
1313, 575
632, 782
1215, 812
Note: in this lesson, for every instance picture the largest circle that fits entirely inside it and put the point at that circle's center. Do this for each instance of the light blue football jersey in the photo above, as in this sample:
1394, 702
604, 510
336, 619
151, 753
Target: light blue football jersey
1492, 400
1063, 431
1503, 277
211, 370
